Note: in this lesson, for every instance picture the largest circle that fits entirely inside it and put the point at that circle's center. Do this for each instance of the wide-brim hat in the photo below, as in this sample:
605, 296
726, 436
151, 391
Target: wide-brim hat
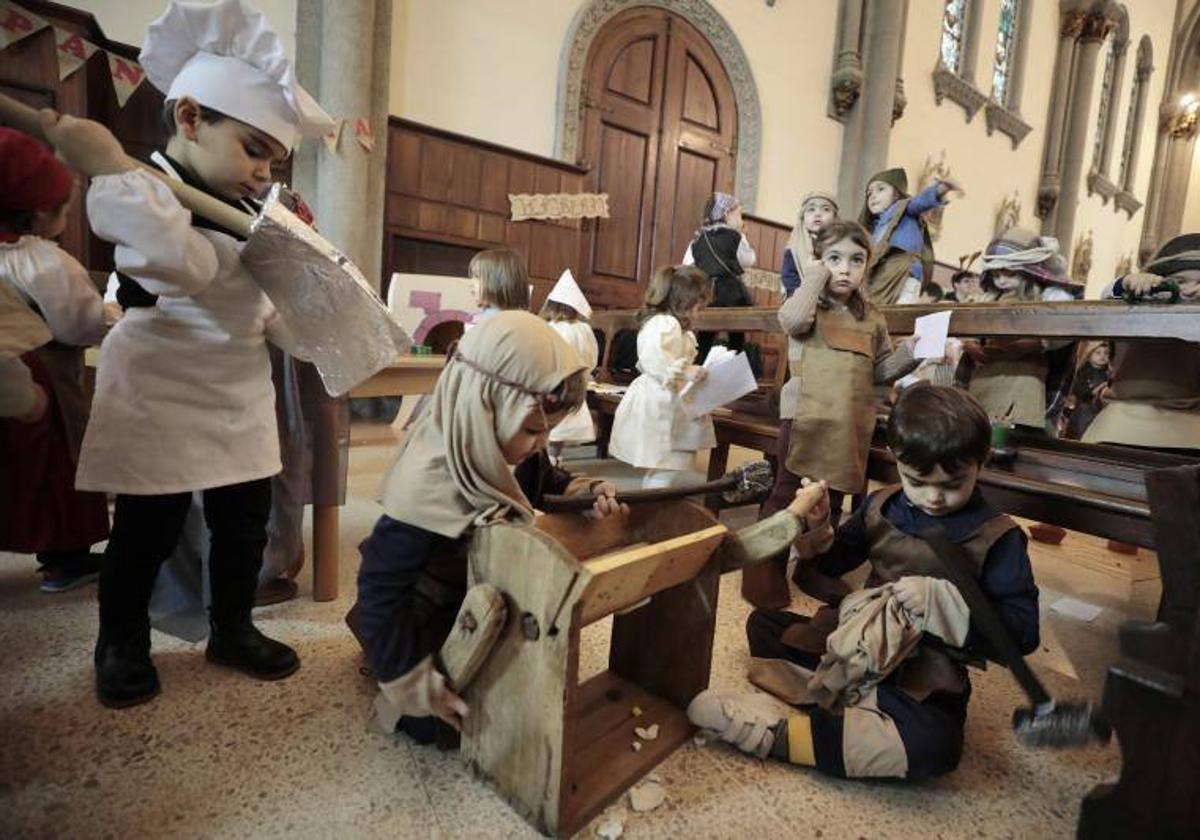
1022, 251
1179, 254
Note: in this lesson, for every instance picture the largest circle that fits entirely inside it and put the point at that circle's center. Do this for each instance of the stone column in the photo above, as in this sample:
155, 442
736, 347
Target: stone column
865, 141
1137, 116
343, 57
1096, 27
1060, 95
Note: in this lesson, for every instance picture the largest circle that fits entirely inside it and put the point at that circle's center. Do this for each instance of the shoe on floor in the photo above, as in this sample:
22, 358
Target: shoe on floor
125, 675
275, 592
64, 577
736, 719
243, 646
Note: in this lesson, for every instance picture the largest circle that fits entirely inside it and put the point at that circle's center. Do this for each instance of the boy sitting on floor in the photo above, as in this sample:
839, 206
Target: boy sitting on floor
888, 693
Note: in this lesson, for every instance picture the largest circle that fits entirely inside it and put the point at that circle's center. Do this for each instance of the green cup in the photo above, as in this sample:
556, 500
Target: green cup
999, 435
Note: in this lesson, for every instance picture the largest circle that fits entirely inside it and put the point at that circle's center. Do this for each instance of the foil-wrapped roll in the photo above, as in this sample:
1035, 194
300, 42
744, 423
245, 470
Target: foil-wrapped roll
335, 317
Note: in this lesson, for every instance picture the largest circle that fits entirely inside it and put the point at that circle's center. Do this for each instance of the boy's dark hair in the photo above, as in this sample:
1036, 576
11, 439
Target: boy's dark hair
938, 426
207, 115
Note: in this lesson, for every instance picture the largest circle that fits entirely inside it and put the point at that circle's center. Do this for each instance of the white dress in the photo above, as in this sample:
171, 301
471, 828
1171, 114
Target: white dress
184, 399
47, 277
577, 427
651, 429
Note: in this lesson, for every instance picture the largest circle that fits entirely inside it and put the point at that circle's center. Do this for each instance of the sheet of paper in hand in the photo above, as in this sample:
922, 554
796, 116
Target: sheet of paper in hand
931, 331
335, 317
727, 379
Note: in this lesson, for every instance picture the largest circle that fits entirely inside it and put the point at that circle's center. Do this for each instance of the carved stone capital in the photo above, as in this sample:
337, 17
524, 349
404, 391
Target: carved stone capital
949, 85
1126, 201
1096, 26
1072, 24
1005, 121
846, 85
1047, 197
900, 102
1098, 184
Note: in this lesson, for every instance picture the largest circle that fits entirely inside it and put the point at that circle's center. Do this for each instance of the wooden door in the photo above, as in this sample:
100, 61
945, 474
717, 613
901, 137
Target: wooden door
659, 135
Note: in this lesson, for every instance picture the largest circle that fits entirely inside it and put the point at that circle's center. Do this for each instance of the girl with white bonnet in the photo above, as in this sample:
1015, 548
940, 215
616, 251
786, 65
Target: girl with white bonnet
184, 400
476, 456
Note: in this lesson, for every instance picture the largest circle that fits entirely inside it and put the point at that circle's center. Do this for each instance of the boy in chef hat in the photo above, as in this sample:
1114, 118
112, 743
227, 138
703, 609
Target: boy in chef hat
184, 400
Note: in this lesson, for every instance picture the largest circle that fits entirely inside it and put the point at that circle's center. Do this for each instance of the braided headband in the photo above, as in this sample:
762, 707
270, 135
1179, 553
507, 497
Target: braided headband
547, 401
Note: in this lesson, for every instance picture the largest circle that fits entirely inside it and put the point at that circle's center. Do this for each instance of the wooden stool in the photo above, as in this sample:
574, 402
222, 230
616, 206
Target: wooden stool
558, 750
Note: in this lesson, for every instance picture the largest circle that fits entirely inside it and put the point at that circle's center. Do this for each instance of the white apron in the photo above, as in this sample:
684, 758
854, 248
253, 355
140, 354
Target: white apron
184, 399
577, 427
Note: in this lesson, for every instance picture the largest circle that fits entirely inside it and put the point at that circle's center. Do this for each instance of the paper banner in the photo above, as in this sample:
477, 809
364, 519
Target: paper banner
16, 23
73, 51
126, 76
362, 133
334, 135
558, 206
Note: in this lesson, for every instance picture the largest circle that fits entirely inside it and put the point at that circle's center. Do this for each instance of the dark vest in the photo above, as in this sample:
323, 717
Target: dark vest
715, 252
895, 554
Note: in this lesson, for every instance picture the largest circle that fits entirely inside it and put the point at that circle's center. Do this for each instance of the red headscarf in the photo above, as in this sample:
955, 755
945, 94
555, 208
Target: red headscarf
31, 177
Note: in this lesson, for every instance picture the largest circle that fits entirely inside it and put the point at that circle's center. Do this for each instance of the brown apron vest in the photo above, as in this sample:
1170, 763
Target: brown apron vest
1163, 373
895, 554
835, 411
65, 368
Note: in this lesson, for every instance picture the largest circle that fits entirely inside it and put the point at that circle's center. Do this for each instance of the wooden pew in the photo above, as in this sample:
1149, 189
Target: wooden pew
1096, 489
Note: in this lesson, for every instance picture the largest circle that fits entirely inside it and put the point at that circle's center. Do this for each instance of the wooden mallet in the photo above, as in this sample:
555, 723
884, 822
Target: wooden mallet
746, 484
335, 317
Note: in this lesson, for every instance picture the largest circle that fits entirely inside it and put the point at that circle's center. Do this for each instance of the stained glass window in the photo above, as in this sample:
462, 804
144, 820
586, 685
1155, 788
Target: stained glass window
1006, 50
954, 18
1130, 127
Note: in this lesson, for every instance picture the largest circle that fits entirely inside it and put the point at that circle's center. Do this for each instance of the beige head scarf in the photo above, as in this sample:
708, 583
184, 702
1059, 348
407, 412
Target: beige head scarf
450, 474
800, 243
20, 329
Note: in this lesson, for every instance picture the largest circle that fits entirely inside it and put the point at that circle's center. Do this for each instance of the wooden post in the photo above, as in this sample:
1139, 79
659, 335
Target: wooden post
325, 552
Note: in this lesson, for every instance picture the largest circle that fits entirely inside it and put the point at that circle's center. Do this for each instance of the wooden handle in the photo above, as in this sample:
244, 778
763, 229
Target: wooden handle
20, 116
584, 501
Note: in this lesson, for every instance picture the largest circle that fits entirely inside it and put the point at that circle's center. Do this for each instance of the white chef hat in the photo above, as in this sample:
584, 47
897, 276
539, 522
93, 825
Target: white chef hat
567, 291
225, 55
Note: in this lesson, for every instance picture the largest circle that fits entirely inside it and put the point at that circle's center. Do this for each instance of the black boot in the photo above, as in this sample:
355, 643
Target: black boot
241, 645
125, 676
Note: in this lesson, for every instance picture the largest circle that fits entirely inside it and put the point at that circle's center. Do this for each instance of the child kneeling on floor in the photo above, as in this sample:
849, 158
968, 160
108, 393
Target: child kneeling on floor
477, 456
887, 694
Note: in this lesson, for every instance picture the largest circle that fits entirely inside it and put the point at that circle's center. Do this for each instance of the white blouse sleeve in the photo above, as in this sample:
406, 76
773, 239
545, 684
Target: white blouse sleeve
662, 351
62, 291
688, 258
745, 253
156, 243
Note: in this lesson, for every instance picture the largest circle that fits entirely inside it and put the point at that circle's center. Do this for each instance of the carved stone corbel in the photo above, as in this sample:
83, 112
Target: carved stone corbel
1006, 122
949, 85
1098, 184
900, 102
846, 86
1047, 198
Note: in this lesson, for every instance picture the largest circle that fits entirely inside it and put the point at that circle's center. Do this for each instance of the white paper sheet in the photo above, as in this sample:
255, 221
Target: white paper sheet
727, 380
931, 331
1076, 609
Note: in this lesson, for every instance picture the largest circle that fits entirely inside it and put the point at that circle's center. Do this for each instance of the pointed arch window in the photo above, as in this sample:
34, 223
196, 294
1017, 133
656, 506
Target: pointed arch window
1004, 67
954, 31
1127, 178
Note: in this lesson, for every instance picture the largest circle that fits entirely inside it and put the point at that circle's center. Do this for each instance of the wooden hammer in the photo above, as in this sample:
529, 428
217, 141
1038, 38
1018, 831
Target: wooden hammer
741, 486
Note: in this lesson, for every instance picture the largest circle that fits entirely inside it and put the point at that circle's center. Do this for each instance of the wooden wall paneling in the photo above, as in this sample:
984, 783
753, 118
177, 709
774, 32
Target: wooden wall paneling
436, 166
465, 169
547, 181
404, 162
493, 186
521, 177
491, 228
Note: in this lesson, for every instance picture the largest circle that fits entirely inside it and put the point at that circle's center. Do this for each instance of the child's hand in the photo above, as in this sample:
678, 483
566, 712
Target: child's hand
40, 403
1139, 285
697, 373
948, 186
85, 145
913, 593
811, 503
815, 271
606, 502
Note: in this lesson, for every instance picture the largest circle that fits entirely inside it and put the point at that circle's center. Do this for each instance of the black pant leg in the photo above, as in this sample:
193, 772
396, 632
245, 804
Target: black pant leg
236, 516
144, 533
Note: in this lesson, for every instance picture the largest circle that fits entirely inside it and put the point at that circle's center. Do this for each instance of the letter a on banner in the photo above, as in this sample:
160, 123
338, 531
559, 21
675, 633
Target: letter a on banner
16, 23
126, 76
73, 51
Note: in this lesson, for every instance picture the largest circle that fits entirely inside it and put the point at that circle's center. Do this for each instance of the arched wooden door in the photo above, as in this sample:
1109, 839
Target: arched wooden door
660, 134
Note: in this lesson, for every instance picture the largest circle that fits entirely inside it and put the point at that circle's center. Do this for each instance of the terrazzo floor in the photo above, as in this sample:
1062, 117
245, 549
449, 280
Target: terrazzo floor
221, 755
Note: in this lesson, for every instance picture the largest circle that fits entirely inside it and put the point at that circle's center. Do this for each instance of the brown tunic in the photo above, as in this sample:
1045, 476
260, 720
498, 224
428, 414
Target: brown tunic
895, 554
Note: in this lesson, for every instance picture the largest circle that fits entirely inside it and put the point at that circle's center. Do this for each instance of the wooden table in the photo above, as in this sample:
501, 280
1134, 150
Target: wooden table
409, 375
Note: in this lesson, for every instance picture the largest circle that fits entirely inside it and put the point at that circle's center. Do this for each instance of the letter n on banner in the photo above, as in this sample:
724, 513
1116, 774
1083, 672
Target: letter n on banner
73, 51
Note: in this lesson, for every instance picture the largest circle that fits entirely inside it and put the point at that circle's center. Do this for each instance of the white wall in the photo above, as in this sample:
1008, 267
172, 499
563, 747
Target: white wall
490, 70
126, 20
